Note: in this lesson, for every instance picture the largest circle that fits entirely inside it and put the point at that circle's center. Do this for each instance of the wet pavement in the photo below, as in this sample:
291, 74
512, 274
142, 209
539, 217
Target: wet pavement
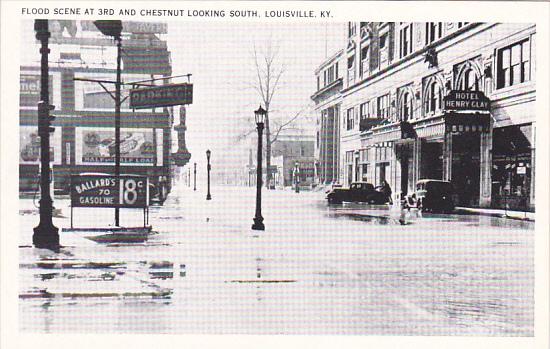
316, 269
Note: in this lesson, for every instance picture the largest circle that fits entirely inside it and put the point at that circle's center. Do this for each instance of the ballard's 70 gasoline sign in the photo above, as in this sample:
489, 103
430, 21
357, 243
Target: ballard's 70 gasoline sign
105, 191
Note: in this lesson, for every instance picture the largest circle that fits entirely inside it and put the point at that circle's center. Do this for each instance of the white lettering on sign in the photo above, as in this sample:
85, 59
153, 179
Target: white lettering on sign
96, 200
102, 182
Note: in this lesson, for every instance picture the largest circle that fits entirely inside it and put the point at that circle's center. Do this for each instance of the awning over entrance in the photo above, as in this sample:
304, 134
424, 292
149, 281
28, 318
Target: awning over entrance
458, 123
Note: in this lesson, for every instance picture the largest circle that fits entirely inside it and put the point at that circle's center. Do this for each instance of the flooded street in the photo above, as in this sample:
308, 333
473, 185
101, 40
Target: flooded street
343, 269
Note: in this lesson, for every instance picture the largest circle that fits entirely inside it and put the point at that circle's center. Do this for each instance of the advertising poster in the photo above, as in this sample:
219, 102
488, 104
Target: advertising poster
29, 146
95, 146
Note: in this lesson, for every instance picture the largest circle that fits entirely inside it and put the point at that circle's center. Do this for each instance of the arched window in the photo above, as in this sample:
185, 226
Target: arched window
433, 97
469, 81
406, 107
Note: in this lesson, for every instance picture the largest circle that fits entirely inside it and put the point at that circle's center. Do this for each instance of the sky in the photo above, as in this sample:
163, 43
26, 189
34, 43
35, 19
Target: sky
219, 55
220, 58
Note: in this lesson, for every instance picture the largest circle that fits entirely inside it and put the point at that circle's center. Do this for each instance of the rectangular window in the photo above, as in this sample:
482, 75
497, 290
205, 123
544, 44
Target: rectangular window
350, 119
351, 29
405, 40
351, 69
364, 111
384, 50
365, 61
383, 107
513, 64
336, 70
434, 31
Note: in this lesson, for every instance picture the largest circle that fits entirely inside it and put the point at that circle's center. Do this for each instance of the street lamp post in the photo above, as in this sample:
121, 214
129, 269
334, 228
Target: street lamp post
258, 219
114, 29
195, 176
297, 176
208, 196
45, 235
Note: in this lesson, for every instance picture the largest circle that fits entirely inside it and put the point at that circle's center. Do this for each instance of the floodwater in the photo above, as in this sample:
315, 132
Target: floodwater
316, 269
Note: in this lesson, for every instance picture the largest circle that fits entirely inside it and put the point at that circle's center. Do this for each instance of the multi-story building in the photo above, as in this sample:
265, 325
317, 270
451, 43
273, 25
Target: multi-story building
452, 101
83, 140
328, 102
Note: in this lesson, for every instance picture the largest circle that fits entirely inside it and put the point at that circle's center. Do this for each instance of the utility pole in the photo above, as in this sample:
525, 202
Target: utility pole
117, 121
45, 234
114, 29
195, 176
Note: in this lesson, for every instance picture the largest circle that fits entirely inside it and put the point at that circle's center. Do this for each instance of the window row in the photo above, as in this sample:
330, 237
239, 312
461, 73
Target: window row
377, 52
330, 75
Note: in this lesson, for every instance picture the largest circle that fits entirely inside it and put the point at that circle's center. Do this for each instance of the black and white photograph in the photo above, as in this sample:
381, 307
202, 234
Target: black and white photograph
246, 168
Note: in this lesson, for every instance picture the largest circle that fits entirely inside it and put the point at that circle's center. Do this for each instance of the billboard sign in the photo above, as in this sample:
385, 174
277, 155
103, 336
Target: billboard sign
161, 96
29, 145
138, 146
99, 190
29, 90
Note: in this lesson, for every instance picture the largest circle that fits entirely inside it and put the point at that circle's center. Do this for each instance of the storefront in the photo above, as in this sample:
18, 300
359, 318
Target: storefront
512, 167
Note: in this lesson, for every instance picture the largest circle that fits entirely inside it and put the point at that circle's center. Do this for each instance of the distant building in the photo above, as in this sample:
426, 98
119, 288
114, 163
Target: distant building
287, 151
83, 140
295, 150
452, 101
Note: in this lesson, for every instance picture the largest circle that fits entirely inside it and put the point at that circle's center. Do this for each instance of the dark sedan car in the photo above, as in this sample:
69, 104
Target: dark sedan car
432, 195
357, 192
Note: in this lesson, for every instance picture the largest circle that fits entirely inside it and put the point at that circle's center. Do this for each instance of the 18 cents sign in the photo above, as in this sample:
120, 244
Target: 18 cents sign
105, 191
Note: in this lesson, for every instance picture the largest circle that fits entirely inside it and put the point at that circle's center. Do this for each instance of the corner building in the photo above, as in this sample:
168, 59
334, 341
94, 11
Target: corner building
83, 140
451, 101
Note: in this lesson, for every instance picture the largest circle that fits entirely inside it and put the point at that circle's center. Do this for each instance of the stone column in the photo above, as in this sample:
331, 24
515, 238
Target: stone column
447, 156
417, 162
485, 163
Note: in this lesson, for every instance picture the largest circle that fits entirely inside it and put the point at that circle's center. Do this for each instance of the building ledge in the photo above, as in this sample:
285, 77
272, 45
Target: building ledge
327, 88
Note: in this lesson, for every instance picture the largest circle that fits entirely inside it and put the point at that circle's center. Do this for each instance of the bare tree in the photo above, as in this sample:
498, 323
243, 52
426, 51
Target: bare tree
268, 72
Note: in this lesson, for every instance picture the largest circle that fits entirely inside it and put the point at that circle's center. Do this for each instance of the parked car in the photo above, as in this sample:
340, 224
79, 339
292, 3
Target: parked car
357, 192
432, 195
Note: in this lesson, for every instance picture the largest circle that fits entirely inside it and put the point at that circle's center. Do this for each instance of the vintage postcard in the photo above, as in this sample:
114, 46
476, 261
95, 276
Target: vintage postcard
367, 174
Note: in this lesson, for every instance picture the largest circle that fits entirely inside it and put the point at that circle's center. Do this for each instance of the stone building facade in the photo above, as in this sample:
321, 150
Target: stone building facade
451, 101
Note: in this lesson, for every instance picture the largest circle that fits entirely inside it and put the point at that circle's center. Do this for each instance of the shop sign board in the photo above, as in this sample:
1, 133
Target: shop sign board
101, 190
466, 100
161, 96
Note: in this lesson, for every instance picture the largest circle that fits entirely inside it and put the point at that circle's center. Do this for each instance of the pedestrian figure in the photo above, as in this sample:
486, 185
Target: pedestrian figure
386, 190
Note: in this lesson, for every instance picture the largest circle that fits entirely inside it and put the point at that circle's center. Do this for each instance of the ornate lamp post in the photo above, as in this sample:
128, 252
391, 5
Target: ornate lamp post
297, 176
45, 234
258, 219
208, 196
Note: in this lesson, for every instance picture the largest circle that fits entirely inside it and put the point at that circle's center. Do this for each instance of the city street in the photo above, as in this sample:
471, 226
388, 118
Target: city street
343, 269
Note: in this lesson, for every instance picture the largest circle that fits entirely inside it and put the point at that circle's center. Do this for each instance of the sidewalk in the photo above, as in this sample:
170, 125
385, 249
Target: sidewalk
520, 215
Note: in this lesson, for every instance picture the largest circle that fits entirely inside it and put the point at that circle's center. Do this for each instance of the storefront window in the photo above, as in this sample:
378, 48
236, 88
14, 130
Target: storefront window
511, 171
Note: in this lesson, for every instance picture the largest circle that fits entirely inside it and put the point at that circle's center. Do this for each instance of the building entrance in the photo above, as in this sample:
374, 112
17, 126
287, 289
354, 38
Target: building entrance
431, 159
466, 168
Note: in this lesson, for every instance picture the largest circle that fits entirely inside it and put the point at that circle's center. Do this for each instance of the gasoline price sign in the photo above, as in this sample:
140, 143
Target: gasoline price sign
100, 190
